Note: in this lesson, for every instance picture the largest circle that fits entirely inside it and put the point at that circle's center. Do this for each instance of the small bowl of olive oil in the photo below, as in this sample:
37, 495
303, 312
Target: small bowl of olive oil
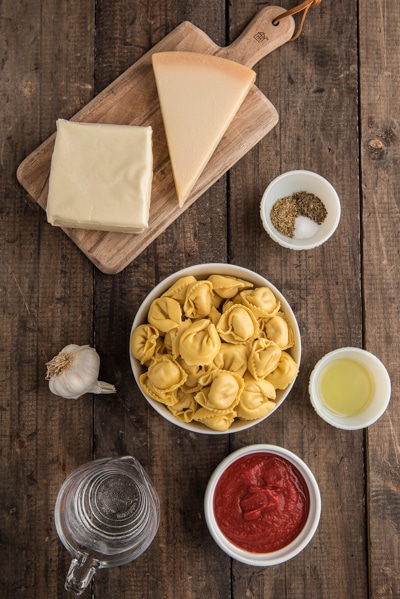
350, 388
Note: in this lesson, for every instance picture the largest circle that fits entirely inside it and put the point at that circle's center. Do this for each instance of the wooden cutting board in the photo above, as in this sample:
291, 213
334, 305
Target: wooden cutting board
132, 99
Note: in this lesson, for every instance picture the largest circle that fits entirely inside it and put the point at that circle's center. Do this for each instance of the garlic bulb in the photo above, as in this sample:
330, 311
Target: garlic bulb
74, 371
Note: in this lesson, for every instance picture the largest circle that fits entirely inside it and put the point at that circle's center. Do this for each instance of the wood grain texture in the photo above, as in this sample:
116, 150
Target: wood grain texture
132, 99
42, 437
318, 101
183, 562
380, 163
335, 90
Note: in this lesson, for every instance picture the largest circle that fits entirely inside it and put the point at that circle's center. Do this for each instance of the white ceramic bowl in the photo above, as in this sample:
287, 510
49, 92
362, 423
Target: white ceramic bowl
296, 181
298, 544
380, 394
202, 271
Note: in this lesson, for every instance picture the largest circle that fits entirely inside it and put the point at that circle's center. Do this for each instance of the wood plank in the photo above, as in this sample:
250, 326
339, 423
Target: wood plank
132, 99
52, 62
313, 84
43, 437
380, 162
183, 562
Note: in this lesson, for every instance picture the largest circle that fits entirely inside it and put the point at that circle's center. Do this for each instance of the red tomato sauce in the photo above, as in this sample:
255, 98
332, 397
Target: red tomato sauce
261, 502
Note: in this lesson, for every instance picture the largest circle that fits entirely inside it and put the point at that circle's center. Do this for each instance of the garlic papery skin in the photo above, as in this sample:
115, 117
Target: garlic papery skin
74, 372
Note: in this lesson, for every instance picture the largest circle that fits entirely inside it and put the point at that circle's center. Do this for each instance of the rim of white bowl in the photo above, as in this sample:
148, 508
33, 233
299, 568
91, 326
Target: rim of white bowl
326, 230
299, 543
377, 369
203, 270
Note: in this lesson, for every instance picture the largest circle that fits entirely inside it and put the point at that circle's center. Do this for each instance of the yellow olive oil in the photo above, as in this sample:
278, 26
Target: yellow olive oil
346, 387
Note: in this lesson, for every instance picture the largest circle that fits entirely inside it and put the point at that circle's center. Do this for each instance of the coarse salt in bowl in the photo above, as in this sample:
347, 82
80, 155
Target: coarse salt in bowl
260, 504
202, 271
312, 235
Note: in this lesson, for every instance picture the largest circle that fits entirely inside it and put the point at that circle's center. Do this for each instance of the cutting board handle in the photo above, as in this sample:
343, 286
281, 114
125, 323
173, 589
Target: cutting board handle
260, 37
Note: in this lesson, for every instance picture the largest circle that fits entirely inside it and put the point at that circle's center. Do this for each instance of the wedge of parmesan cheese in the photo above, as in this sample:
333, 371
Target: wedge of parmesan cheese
199, 95
101, 177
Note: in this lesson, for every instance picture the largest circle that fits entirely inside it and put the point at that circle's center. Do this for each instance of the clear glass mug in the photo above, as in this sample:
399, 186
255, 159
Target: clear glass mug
107, 513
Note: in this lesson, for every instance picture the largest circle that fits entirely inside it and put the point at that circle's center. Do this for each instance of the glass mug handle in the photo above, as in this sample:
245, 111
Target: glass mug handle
80, 573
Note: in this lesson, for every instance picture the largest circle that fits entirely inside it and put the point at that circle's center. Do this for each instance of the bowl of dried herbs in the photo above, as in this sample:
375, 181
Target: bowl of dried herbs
300, 210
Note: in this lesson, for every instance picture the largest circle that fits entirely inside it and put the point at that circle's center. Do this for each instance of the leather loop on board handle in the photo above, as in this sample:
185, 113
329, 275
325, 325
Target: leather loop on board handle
304, 8
260, 37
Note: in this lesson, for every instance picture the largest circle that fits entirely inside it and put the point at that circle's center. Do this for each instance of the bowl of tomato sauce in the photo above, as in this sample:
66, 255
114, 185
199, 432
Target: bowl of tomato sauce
262, 505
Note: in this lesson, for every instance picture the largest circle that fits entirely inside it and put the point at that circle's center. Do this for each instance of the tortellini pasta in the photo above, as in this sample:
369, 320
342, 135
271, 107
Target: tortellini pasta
221, 391
165, 314
278, 329
177, 291
237, 325
163, 379
143, 342
231, 357
261, 301
214, 350
165, 374
285, 372
264, 358
198, 300
226, 286
185, 407
199, 343
215, 421
168, 398
194, 372
257, 399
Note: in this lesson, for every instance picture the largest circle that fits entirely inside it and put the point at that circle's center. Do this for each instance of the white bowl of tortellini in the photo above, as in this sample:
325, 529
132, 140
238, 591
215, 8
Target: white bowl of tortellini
215, 348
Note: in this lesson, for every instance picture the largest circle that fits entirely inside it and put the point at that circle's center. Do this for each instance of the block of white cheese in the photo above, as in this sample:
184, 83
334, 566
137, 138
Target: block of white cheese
101, 177
199, 95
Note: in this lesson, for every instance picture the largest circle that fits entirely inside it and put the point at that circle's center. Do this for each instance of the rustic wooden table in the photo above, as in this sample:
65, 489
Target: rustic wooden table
336, 89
